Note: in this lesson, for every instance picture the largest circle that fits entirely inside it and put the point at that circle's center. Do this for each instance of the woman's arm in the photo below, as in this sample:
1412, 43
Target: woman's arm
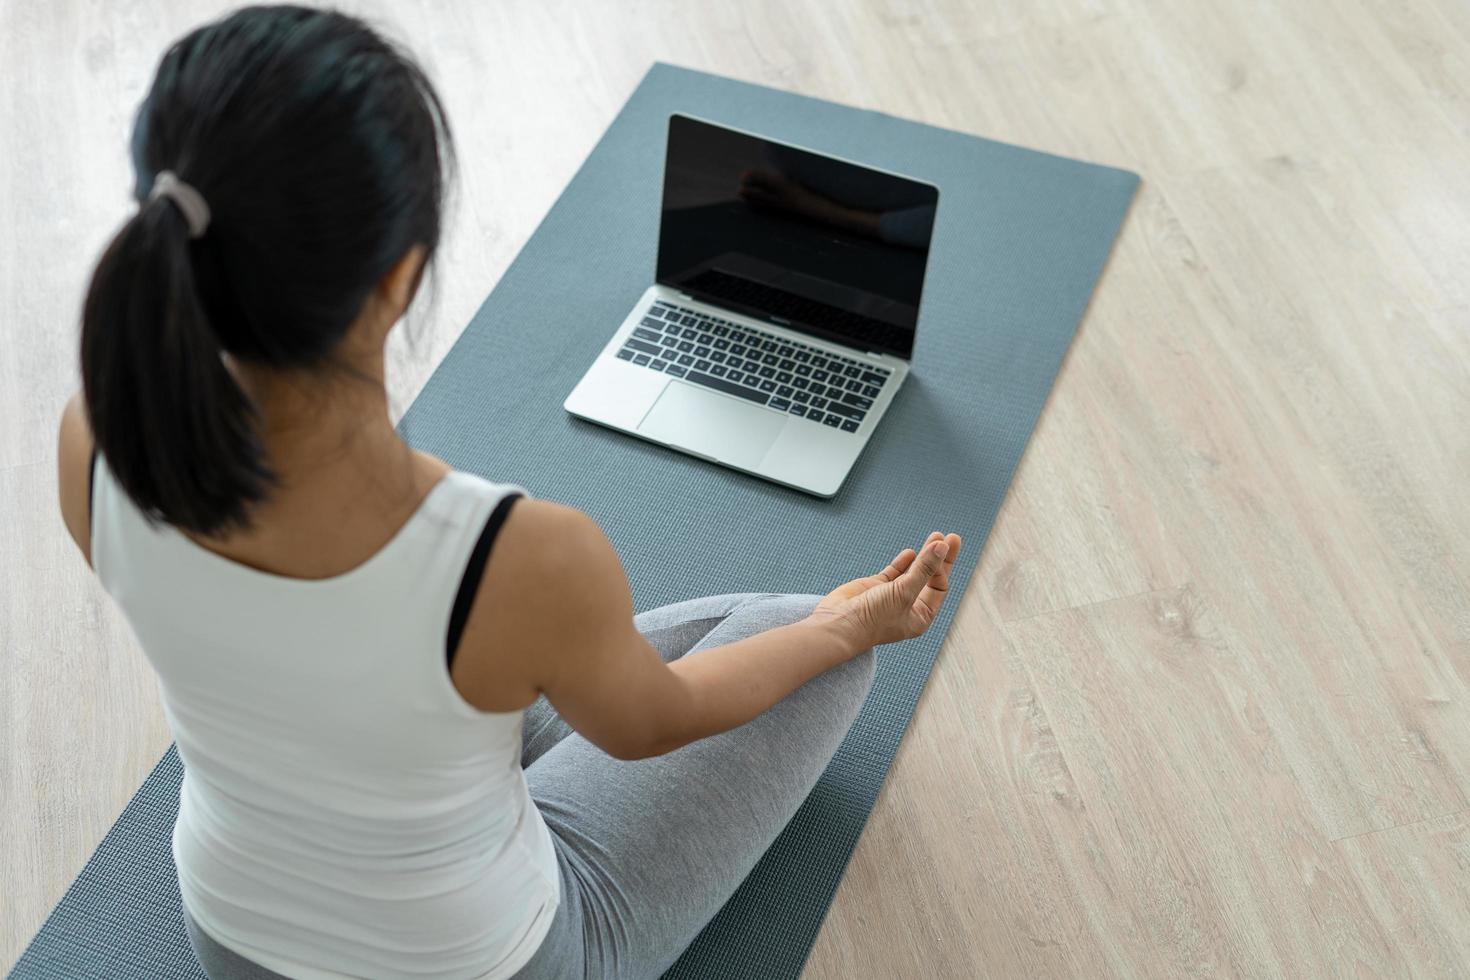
554, 615
741, 680
74, 474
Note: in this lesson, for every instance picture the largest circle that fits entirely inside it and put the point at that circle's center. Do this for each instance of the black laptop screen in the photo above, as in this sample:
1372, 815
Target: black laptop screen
793, 237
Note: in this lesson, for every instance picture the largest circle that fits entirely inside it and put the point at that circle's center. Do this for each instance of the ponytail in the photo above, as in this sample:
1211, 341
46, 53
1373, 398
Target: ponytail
315, 154
177, 431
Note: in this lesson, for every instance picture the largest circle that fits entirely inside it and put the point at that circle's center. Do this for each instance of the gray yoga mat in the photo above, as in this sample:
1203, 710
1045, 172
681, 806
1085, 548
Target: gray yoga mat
1019, 242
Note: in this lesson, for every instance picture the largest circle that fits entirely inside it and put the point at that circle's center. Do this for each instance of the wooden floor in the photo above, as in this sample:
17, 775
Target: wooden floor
1206, 708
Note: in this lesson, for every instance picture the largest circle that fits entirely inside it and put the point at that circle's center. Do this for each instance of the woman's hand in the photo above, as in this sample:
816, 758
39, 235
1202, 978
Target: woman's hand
899, 602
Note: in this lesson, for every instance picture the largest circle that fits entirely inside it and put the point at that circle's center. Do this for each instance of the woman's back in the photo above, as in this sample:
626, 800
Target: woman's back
342, 804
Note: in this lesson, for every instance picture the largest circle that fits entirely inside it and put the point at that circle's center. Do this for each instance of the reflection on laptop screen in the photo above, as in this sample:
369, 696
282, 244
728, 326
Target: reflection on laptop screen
797, 238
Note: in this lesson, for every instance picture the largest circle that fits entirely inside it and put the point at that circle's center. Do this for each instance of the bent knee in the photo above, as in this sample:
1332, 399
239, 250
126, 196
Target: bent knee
779, 608
858, 672
845, 687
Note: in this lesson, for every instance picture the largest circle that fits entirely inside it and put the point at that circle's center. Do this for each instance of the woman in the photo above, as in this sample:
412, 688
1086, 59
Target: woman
424, 733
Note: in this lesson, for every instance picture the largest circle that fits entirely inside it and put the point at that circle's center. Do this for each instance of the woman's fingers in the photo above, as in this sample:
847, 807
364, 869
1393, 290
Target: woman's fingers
931, 597
921, 569
954, 543
904, 560
900, 563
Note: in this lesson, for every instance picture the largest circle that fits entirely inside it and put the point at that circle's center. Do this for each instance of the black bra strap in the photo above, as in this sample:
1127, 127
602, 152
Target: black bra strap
469, 585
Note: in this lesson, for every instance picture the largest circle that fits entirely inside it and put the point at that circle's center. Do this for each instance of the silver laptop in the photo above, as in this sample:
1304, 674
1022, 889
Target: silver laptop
782, 316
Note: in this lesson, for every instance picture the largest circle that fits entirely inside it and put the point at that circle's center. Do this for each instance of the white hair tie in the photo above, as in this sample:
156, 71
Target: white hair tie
189, 201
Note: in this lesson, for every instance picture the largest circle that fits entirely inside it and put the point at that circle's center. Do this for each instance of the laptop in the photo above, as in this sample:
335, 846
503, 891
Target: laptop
781, 320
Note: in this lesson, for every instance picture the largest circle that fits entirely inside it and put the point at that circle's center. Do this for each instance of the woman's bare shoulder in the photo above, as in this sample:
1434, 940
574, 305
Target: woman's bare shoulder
74, 446
552, 583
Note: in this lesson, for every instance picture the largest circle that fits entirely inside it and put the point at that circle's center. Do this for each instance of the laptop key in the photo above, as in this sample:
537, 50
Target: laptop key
771, 359
687, 360
784, 377
689, 321
853, 398
704, 338
787, 364
641, 360
625, 354
702, 365
815, 414
804, 370
820, 375
717, 356
853, 370
676, 370
721, 330
735, 375
874, 378
803, 396
649, 321
685, 346
785, 391
718, 370
849, 426
721, 343
701, 351
843, 409
640, 345
854, 384
672, 331
797, 408
721, 384
870, 391
779, 404
803, 355
819, 403
832, 420
800, 382
768, 386
658, 365
643, 333
738, 349
768, 372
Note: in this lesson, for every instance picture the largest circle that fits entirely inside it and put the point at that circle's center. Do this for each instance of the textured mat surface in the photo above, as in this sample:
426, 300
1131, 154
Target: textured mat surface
1019, 242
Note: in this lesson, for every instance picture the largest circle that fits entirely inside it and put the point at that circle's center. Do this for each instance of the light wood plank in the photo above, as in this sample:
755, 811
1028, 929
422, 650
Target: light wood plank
1417, 882
1202, 858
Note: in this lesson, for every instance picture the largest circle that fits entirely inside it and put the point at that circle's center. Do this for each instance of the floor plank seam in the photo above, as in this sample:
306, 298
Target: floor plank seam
1400, 826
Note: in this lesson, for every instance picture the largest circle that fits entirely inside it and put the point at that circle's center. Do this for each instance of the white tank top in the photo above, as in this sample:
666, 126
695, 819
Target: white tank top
344, 812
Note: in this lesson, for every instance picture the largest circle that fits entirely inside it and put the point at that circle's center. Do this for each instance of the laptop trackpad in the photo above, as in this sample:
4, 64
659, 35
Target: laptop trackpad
718, 426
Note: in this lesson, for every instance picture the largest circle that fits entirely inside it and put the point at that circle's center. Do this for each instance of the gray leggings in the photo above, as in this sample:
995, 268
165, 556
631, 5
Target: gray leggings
650, 850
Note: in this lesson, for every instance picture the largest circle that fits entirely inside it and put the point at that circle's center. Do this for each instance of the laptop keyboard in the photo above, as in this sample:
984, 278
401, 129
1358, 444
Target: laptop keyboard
783, 375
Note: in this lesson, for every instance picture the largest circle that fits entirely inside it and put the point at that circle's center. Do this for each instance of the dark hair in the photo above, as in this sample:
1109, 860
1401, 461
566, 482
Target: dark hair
322, 152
